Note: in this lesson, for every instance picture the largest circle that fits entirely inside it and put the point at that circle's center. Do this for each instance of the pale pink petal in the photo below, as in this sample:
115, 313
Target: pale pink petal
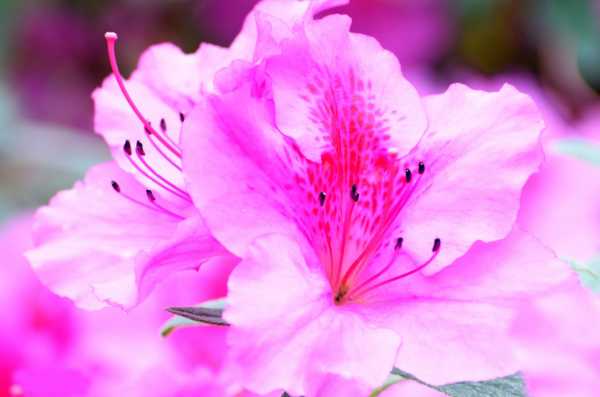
321, 88
291, 334
479, 151
90, 240
558, 344
447, 321
238, 166
561, 206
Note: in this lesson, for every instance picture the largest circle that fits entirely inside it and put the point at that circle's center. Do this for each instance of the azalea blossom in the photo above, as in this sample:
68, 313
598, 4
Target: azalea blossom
376, 227
131, 222
51, 348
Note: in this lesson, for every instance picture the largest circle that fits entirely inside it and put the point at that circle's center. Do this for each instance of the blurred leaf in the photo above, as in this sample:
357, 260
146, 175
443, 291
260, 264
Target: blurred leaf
206, 313
580, 148
508, 386
391, 380
589, 273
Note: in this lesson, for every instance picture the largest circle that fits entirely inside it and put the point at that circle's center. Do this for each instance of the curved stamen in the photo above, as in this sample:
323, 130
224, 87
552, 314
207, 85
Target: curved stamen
140, 153
436, 249
117, 188
127, 150
152, 199
161, 152
111, 39
377, 237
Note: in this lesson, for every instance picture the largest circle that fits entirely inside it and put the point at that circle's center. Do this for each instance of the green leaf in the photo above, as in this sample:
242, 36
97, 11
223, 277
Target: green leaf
206, 313
508, 386
579, 148
391, 380
589, 273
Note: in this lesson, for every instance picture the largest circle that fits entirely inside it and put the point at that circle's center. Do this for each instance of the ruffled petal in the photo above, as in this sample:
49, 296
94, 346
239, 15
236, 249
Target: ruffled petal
325, 89
448, 320
90, 240
479, 151
237, 166
290, 335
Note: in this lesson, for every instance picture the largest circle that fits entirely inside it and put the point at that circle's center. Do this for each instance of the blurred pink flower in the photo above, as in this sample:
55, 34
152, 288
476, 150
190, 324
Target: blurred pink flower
559, 344
353, 202
50, 348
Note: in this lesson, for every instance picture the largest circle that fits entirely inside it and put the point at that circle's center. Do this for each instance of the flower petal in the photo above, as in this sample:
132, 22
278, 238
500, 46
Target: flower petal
479, 151
291, 335
237, 166
321, 87
90, 241
448, 320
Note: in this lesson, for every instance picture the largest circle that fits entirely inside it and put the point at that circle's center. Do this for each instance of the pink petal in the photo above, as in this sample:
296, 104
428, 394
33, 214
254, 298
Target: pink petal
558, 343
319, 86
448, 321
290, 335
479, 150
90, 241
560, 206
237, 167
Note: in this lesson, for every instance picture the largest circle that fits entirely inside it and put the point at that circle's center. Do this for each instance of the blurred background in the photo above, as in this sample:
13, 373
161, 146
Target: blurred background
52, 56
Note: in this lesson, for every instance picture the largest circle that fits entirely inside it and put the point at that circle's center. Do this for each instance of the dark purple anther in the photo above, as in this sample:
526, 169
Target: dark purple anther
115, 186
163, 125
421, 167
408, 175
322, 197
181, 117
436, 245
399, 242
150, 195
354, 195
139, 148
127, 148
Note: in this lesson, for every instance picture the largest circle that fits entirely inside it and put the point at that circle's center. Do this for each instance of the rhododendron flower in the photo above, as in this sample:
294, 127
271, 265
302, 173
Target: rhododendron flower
131, 222
368, 218
50, 348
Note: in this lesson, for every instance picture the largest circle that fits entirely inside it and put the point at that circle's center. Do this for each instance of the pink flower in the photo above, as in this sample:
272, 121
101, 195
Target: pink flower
368, 218
50, 348
559, 344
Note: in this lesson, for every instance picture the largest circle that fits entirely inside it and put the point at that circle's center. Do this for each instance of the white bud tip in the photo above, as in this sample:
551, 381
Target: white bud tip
110, 36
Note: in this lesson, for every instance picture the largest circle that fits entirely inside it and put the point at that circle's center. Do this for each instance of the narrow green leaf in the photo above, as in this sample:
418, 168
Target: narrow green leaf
508, 386
579, 148
206, 313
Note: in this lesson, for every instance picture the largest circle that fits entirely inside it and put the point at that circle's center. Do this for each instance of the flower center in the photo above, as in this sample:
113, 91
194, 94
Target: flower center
349, 204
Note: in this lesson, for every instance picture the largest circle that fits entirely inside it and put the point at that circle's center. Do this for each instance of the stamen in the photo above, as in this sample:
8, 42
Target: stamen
159, 150
399, 242
111, 39
354, 195
436, 245
408, 175
163, 125
152, 199
357, 291
322, 197
181, 117
139, 149
155, 208
165, 184
127, 148
421, 167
